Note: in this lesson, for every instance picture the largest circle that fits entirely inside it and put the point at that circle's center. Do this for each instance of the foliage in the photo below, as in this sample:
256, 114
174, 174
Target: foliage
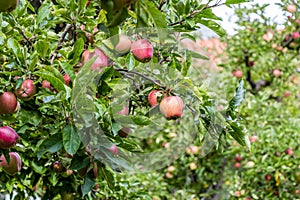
67, 130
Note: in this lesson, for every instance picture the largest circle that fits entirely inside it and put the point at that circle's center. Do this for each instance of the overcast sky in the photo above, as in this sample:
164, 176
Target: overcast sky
226, 14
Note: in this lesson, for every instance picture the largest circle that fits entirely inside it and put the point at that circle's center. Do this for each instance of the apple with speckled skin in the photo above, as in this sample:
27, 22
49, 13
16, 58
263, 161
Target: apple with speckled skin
26, 91
171, 107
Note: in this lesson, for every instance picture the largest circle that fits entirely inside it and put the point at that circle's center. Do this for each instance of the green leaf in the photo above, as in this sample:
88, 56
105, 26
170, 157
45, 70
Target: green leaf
108, 176
130, 62
42, 48
158, 19
214, 26
141, 120
71, 139
79, 162
239, 96
238, 132
75, 54
52, 144
228, 2
88, 184
43, 12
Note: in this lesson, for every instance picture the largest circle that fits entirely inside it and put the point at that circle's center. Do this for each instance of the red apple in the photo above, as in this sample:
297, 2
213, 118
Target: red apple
8, 103
238, 158
268, 177
287, 94
114, 149
26, 91
124, 132
276, 72
253, 138
291, 8
123, 45
152, 97
8, 137
67, 79
14, 164
238, 73
101, 60
251, 63
171, 107
295, 35
195, 149
142, 50
237, 165
46, 84
289, 151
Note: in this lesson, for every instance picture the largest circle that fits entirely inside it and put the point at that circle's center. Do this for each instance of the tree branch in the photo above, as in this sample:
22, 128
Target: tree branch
125, 72
163, 2
61, 39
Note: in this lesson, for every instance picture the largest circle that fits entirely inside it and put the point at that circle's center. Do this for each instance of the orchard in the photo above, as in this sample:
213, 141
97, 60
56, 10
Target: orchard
116, 99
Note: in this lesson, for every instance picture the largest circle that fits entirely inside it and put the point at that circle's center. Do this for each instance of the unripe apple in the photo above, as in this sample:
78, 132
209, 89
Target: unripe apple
171, 168
58, 167
124, 44
8, 5
8, 103
114, 149
237, 73
26, 91
8, 137
250, 164
101, 60
67, 79
193, 166
14, 164
238, 158
142, 50
152, 97
276, 72
237, 165
291, 8
68, 196
171, 107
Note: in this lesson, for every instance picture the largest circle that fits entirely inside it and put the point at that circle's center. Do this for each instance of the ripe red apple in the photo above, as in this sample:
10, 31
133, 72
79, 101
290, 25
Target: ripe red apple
287, 94
46, 84
152, 97
268, 177
251, 63
14, 164
237, 165
8, 103
142, 50
238, 158
295, 35
26, 91
124, 44
171, 107
114, 149
291, 8
253, 138
8, 5
101, 60
276, 72
67, 79
124, 111
8, 137
237, 73
195, 149
289, 151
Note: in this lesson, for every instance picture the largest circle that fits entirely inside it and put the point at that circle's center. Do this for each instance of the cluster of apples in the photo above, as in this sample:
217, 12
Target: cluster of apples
8, 139
170, 106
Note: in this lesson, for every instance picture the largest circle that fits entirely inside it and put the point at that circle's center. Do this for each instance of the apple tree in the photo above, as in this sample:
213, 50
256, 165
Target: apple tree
74, 82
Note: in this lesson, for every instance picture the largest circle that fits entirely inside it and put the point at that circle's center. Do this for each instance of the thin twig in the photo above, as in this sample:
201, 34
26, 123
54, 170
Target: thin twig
163, 2
192, 14
122, 71
60, 41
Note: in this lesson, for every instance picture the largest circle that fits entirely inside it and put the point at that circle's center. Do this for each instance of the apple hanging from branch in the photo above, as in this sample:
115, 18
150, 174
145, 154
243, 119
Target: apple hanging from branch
171, 107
